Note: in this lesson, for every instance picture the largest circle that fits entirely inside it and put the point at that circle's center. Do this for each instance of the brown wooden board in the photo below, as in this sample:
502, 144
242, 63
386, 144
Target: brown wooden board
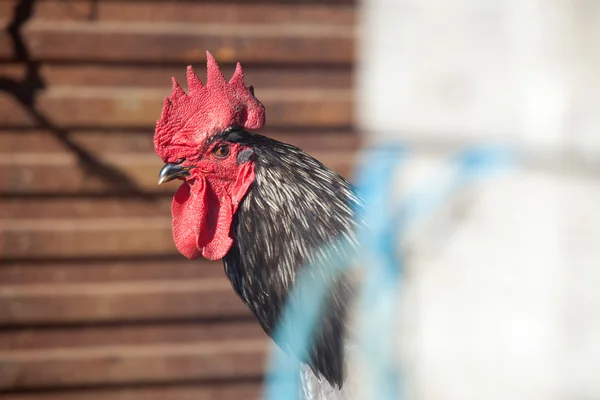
122, 141
233, 389
129, 107
37, 173
128, 335
6, 8
142, 41
6, 44
98, 237
159, 76
95, 300
12, 112
70, 106
85, 207
335, 13
14, 71
119, 302
101, 271
60, 367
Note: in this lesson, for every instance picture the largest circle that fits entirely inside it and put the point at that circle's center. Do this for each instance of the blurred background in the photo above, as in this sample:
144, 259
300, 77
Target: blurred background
95, 301
501, 294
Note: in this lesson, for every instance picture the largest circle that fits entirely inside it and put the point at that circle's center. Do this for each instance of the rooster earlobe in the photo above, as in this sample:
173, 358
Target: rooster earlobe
194, 83
213, 73
238, 76
177, 90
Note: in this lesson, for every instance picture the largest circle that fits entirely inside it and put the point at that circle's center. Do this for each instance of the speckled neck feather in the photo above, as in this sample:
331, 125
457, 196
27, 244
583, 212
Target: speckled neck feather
294, 208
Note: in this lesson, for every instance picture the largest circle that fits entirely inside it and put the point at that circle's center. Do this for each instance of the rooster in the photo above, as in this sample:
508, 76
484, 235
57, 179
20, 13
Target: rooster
264, 207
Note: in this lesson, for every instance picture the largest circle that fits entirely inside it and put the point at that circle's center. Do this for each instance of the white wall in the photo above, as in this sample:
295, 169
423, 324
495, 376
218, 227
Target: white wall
503, 298
479, 69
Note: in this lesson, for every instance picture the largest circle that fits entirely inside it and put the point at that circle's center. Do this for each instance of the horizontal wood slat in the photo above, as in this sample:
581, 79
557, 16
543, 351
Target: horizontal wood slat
169, 268
127, 335
135, 42
6, 8
227, 390
34, 173
86, 238
329, 12
12, 112
95, 300
159, 76
124, 364
260, 77
129, 107
116, 142
6, 45
123, 302
85, 207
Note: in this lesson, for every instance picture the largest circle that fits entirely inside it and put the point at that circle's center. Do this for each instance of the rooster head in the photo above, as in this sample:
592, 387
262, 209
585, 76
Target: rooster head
190, 137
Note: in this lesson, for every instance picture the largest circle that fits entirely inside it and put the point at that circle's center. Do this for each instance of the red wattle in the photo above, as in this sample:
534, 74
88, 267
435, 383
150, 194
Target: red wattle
185, 220
203, 213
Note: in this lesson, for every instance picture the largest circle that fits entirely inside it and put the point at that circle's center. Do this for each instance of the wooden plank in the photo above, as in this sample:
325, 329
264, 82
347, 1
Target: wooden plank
13, 71
85, 207
105, 365
65, 10
127, 107
102, 142
159, 76
127, 335
197, 12
86, 238
23, 173
142, 41
13, 113
93, 142
6, 43
167, 300
7, 8
261, 77
231, 390
90, 271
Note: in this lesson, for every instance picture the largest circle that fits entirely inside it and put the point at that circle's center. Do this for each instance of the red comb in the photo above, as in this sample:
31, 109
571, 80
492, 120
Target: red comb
189, 119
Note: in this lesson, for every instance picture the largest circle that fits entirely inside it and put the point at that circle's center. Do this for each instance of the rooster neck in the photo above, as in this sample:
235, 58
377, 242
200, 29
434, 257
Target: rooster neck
294, 208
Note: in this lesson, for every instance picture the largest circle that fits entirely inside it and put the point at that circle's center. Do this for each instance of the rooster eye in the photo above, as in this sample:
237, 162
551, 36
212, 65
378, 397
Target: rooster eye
221, 151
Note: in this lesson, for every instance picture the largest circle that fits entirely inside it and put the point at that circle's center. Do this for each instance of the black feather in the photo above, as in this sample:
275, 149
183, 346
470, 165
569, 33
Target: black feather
295, 207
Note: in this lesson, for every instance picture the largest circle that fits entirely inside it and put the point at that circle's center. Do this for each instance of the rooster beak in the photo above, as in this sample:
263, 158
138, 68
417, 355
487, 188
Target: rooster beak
172, 171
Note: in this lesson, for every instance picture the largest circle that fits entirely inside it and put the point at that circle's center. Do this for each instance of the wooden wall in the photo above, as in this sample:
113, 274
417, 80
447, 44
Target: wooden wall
95, 302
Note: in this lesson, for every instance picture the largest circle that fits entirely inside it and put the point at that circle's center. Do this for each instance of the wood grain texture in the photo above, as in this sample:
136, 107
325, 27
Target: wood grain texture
125, 41
210, 360
231, 389
127, 107
107, 272
127, 335
6, 46
12, 112
98, 237
140, 141
35, 304
70, 207
37, 173
6, 8
159, 76
330, 12
95, 301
